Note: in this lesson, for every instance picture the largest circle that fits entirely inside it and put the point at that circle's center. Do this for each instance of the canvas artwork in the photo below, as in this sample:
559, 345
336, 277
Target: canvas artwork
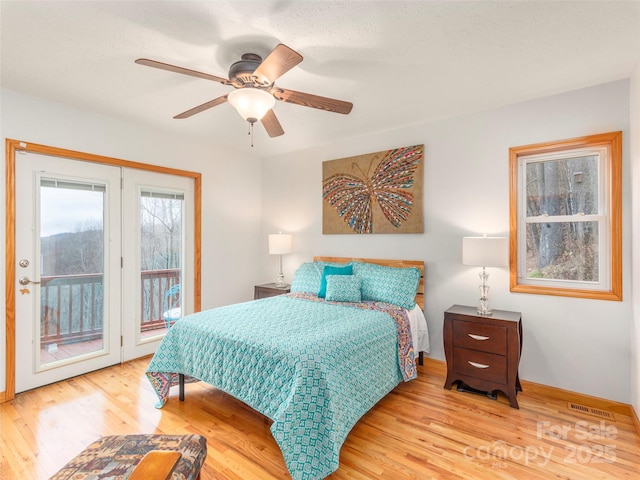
374, 193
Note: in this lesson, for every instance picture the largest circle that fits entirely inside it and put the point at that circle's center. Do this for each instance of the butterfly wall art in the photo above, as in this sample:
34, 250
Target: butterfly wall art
374, 193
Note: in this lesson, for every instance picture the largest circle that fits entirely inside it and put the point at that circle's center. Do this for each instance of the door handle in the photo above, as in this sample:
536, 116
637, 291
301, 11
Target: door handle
26, 281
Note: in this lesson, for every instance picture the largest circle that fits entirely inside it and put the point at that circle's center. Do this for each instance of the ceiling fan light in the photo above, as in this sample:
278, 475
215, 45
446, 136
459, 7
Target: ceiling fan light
251, 103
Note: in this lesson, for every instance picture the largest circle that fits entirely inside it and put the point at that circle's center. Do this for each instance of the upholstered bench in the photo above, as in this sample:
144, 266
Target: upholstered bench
116, 457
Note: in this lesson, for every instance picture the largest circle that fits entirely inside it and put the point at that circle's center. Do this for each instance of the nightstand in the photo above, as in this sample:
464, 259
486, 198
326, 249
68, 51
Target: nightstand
269, 290
483, 352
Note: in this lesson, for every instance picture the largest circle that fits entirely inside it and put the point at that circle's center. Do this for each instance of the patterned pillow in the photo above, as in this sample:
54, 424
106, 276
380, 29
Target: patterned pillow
388, 284
307, 278
332, 270
343, 288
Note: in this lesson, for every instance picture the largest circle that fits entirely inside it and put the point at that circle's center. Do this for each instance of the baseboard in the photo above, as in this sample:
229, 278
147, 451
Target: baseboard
580, 398
440, 367
3, 397
636, 421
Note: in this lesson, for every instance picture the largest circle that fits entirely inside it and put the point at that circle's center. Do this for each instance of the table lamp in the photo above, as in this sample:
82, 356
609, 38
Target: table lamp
280, 244
485, 252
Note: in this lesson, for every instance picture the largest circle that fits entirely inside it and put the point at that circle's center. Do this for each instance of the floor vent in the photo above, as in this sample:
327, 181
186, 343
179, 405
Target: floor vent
576, 407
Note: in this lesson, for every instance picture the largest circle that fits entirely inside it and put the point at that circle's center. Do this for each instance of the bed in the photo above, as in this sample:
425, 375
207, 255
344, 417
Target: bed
313, 361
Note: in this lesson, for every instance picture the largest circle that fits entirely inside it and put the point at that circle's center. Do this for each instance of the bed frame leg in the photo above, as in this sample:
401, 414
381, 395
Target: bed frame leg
181, 386
420, 358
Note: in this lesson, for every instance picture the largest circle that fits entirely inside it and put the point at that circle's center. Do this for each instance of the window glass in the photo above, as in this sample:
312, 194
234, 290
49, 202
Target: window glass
563, 251
161, 252
566, 217
567, 186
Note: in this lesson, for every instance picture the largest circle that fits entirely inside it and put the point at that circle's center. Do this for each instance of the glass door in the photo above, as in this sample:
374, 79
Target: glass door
156, 270
68, 296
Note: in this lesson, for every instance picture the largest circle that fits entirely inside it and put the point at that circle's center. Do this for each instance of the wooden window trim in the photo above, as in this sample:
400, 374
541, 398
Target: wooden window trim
613, 141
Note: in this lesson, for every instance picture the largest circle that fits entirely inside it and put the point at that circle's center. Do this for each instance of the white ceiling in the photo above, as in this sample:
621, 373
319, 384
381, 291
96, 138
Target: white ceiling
399, 62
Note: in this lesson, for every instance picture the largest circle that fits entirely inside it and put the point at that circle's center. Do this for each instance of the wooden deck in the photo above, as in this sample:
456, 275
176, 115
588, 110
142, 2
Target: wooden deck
68, 350
418, 431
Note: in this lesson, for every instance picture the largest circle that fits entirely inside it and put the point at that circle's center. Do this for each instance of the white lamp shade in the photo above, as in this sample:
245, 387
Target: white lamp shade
251, 103
280, 243
485, 251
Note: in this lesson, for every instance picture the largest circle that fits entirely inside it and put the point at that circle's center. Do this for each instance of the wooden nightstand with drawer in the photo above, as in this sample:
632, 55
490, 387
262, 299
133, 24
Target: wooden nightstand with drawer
483, 352
269, 290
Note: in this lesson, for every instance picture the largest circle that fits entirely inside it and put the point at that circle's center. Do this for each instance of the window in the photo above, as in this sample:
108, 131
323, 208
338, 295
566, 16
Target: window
566, 217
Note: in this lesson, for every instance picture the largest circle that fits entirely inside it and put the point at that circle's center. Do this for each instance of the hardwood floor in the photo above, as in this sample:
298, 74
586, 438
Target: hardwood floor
418, 431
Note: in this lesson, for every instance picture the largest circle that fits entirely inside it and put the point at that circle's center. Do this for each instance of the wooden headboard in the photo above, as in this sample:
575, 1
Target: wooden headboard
419, 264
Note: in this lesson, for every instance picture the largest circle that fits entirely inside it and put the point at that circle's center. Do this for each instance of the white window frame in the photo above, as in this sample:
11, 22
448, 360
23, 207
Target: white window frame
607, 147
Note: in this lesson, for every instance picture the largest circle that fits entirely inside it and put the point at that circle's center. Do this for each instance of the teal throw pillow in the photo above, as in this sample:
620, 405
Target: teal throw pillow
343, 288
332, 270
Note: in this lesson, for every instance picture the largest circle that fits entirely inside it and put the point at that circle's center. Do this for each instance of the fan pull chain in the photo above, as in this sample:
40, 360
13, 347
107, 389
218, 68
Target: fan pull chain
251, 132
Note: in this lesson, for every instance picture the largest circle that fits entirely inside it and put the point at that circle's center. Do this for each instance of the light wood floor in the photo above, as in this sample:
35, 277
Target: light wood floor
418, 431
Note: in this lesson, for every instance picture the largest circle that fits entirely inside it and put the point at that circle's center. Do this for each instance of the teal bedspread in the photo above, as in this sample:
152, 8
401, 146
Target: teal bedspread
313, 367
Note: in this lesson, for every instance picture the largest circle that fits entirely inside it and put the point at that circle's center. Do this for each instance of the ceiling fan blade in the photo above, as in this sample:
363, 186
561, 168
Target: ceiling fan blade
201, 108
271, 124
313, 101
185, 71
278, 62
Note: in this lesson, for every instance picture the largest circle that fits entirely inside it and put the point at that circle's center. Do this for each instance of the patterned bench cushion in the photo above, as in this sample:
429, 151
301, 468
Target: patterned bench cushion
115, 457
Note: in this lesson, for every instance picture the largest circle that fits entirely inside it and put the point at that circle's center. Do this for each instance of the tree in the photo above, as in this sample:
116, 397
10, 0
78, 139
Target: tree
564, 248
161, 233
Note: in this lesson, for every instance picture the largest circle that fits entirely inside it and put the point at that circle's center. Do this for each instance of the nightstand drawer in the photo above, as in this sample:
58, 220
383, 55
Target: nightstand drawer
486, 338
262, 293
485, 366
269, 290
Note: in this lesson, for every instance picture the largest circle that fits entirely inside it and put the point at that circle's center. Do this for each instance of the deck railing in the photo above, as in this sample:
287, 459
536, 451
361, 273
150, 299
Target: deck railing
153, 291
71, 305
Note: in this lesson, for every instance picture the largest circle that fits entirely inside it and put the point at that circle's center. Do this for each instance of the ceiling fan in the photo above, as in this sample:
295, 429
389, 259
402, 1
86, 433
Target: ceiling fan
255, 92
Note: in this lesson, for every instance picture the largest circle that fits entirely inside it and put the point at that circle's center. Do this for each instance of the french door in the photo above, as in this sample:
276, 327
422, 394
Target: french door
68, 268
157, 269
101, 265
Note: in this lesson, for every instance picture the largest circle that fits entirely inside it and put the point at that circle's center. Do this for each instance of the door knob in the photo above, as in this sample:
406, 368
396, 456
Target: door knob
26, 281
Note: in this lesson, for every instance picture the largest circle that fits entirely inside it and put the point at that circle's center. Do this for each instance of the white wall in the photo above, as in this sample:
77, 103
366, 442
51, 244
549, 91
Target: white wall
635, 188
230, 214
579, 345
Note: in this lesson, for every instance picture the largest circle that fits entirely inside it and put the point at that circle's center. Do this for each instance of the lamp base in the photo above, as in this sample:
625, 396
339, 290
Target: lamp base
483, 308
280, 280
